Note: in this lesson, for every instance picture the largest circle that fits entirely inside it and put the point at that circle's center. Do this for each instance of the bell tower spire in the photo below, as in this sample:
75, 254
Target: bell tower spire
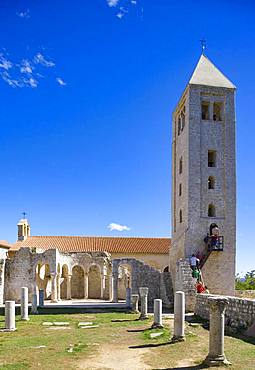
23, 228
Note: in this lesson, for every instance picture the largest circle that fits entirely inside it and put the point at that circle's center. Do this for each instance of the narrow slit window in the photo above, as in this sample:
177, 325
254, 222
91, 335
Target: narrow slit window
180, 165
180, 189
211, 182
217, 111
211, 158
205, 110
211, 211
180, 216
179, 125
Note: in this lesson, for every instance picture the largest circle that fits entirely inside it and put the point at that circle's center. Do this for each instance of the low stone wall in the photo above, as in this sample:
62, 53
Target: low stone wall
250, 294
240, 313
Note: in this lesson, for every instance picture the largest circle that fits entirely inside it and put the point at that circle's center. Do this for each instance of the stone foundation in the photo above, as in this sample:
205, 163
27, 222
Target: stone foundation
240, 313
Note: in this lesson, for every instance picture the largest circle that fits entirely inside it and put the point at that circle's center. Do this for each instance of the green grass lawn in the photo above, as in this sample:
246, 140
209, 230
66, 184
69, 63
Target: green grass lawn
34, 346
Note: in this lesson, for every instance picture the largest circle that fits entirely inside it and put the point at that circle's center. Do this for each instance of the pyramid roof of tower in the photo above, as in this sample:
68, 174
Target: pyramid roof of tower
97, 244
207, 74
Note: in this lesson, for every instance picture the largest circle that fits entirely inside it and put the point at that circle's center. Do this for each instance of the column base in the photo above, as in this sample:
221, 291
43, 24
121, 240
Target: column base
176, 339
157, 326
216, 361
24, 319
7, 330
143, 317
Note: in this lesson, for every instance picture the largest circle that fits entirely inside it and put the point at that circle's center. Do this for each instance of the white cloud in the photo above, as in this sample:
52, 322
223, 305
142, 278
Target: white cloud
113, 226
27, 72
26, 66
112, 3
40, 59
5, 63
25, 14
60, 81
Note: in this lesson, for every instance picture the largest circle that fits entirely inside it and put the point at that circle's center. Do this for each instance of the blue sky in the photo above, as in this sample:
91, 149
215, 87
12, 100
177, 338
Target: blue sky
87, 90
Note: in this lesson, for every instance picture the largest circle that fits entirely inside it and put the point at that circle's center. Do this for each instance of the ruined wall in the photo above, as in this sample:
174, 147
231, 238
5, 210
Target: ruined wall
20, 270
240, 313
3, 252
158, 261
143, 275
186, 283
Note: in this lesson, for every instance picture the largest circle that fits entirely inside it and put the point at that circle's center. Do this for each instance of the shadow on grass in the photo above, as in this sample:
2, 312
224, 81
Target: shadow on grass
125, 320
195, 367
150, 345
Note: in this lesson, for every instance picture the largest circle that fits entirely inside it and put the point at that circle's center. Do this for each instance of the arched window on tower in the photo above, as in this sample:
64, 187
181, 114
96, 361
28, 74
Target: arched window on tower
180, 216
211, 182
211, 211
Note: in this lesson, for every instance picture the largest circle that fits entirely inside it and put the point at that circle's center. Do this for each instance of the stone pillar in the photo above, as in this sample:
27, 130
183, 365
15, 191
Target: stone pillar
144, 303
115, 287
10, 316
24, 304
157, 314
110, 288
54, 295
135, 299
86, 285
102, 286
68, 287
216, 356
128, 297
34, 303
41, 297
2, 264
58, 287
179, 317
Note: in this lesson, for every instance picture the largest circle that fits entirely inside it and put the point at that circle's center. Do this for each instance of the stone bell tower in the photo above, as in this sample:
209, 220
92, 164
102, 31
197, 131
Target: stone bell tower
204, 176
23, 229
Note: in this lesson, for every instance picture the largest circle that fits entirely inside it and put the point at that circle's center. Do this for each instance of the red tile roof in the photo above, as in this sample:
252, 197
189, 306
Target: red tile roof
97, 243
5, 244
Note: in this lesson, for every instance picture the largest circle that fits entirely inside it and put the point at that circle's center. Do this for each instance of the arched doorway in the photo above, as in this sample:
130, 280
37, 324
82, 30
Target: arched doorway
124, 280
43, 279
94, 282
77, 282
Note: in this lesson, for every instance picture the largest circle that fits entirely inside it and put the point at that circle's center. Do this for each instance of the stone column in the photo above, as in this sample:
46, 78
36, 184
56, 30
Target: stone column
115, 287
2, 264
54, 295
135, 299
128, 297
24, 304
110, 288
68, 287
10, 316
144, 303
58, 287
102, 286
86, 285
34, 303
157, 314
179, 317
41, 297
216, 356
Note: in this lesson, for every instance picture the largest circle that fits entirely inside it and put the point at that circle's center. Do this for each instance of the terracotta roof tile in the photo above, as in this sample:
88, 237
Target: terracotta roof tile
5, 244
97, 243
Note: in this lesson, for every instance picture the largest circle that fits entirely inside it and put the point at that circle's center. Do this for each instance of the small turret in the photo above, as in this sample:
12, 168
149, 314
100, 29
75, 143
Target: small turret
23, 229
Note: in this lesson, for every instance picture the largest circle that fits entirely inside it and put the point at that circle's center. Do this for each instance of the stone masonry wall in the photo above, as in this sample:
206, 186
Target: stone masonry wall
240, 313
186, 283
146, 276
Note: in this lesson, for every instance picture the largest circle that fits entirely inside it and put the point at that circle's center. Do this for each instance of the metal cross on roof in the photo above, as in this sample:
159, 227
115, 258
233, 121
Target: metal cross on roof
24, 214
203, 45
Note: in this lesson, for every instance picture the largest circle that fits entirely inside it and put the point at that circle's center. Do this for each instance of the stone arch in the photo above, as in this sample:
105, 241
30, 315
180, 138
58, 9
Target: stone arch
124, 279
77, 282
43, 278
94, 281
63, 281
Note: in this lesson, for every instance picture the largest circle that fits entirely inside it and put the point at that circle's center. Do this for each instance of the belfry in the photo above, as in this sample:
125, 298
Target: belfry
204, 177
